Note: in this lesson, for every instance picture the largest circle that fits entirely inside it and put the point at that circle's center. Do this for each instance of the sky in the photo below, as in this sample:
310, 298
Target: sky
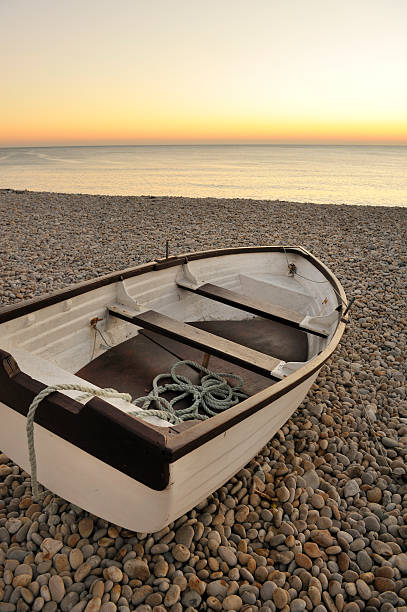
203, 71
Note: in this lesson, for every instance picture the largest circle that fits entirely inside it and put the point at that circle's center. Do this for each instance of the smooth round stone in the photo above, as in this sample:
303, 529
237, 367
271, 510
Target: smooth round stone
227, 554
372, 523
374, 495
98, 588
343, 561
82, 571
322, 537
61, 563
246, 575
351, 488
389, 442
184, 535
280, 597
57, 588
191, 598
27, 595
232, 602
214, 603
303, 560
85, 527
38, 604
381, 548
69, 601
173, 595
161, 568
312, 550
113, 573
389, 597
140, 594
311, 479
351, 607
384, 584
217, 588
159, 549
317, 501
277, 540
364, 561
401, 563
297, 605
154, 599
136, 568
385, 572
75, 558
267, 590
22, 580
94, 605
363, 590
314, 595
108, 606
181, 553
324, 522
283, 494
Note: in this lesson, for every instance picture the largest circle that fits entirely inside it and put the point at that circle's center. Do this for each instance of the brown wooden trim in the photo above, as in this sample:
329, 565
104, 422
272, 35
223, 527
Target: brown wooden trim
203, 431
127, 444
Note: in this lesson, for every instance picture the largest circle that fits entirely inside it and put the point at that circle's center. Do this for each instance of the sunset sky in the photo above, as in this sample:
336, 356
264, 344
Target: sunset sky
197, 71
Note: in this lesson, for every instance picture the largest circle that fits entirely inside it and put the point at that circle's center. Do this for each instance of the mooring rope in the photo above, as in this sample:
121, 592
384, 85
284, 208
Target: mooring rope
213, 395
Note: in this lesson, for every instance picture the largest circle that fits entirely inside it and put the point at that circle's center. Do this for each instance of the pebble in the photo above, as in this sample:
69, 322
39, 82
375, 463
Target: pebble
57, 588
232, 602
184, 535
85, 527
280, 598
298, 605
311, 479
351, 488
136, 568
191, 599
50, 547
113, 573
312, 550
172, 596
318, 519
227, 555
283, 494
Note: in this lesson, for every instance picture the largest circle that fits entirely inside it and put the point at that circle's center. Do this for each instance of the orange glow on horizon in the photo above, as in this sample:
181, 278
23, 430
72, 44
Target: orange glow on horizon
203, 72
206, 131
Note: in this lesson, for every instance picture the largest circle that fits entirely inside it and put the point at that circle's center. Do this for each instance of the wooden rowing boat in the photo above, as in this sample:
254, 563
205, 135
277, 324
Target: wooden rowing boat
271, 314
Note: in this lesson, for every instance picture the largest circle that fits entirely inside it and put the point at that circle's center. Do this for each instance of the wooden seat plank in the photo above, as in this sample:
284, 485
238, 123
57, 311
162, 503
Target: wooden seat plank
248, 304
203, 340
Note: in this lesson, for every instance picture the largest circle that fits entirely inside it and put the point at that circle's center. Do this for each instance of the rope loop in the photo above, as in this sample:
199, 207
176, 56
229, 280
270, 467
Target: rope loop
211, 396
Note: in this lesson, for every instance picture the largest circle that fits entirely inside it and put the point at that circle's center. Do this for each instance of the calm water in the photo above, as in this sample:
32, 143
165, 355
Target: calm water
373, 175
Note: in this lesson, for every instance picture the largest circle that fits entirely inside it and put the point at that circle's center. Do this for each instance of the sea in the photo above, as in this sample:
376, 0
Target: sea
322, 174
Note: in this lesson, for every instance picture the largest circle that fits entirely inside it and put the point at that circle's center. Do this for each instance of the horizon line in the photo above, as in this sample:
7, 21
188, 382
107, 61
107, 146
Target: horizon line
208, 144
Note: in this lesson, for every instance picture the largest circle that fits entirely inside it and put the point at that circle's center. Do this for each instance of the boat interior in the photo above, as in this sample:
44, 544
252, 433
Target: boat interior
244, 313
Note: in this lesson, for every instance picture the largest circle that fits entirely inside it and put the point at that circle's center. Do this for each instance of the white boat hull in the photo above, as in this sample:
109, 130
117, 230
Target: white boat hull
104, 491
143, 475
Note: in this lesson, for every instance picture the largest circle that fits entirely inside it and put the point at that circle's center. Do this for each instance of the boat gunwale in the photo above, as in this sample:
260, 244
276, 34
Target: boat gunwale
167, 444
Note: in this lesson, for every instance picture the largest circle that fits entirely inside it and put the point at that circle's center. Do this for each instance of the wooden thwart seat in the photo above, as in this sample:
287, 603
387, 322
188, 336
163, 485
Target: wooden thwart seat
248, 304
198, 338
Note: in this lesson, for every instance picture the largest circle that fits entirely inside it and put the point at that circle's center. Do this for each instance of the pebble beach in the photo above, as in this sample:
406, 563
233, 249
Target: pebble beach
318, 519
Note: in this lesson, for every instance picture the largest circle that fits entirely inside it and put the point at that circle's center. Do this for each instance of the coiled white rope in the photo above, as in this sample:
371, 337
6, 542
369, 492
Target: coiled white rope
213, 395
